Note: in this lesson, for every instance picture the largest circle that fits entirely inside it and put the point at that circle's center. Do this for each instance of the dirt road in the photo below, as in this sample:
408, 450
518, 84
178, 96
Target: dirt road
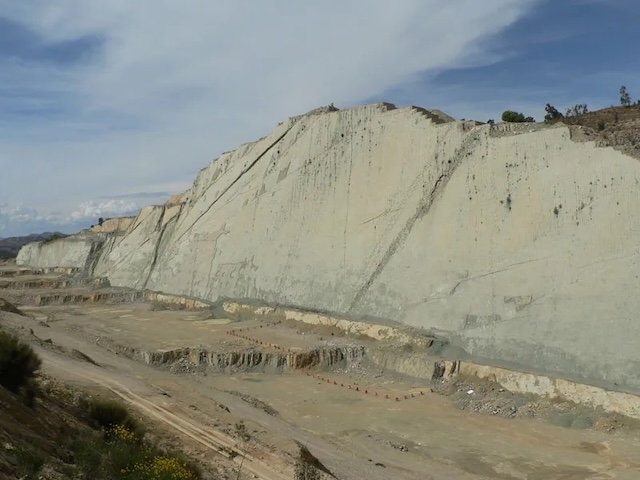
214, 440
249, 417
162, 396
462, 446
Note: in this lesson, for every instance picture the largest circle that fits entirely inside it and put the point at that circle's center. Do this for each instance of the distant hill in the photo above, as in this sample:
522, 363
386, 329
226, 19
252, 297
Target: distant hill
9, 247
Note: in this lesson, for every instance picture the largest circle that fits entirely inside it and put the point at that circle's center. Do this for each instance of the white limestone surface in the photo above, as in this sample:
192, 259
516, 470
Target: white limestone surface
521, 247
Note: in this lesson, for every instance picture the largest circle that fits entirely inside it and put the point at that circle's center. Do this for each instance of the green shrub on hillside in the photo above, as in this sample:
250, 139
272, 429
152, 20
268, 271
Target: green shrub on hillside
576, 110
30, 462
53, 238
515, 117
118, 450
108, 414
18, 362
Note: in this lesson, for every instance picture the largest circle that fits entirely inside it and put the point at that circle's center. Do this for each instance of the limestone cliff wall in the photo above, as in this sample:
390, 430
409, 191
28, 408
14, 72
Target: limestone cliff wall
521, 246
70, 252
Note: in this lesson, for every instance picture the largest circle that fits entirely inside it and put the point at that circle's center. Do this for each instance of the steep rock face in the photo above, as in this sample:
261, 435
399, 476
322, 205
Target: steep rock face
517, 242
72, 253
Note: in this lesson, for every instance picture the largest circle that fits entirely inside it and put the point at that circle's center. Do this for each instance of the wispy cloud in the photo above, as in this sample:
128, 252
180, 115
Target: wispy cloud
22, 220
154, 90
110, 208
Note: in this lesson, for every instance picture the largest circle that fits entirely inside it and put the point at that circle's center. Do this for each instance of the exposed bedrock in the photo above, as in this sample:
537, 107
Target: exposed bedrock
188, 359
520, 244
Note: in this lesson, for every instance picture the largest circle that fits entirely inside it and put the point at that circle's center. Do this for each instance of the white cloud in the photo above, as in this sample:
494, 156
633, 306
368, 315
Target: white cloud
275, 54
174, 83
19, 213
110, 208
19, 219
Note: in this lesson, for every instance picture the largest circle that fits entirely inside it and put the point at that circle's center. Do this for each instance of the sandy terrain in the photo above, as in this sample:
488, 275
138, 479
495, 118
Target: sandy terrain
253, 413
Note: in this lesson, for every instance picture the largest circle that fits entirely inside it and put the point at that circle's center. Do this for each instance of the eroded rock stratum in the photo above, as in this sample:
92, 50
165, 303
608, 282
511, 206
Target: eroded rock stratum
520, 246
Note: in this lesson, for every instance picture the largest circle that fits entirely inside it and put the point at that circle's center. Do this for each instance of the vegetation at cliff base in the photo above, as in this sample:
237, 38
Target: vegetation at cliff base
18, 362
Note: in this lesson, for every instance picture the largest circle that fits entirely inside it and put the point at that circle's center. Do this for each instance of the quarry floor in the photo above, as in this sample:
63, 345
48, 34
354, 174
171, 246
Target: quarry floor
250, 416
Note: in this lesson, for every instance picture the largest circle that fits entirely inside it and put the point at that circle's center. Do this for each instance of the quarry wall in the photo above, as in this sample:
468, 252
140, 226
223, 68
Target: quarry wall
70, 254
517, 243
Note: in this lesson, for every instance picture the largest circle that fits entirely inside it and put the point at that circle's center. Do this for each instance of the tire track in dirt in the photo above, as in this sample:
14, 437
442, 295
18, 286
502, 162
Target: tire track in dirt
214, 440
339, 460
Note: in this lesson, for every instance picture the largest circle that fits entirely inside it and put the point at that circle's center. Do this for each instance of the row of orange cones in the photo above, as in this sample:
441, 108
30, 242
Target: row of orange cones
366, 392
236, 333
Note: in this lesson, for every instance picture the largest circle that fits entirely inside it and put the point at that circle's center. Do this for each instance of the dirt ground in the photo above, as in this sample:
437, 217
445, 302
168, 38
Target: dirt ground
252, 391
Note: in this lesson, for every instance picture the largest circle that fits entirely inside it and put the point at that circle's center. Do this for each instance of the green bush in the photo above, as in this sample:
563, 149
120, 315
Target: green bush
515, 117
578, 109
124, 456
115, 454
53, 238
89, 452
108, 414
18, 362
30, 462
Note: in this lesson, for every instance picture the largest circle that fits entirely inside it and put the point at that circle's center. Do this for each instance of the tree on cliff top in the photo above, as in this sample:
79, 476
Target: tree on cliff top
578, 109
515, 117
625, 98
552, 113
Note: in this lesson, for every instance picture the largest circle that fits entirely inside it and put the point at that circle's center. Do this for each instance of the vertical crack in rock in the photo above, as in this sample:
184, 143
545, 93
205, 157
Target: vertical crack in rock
156, 249
423, 208
92, 258
242, 174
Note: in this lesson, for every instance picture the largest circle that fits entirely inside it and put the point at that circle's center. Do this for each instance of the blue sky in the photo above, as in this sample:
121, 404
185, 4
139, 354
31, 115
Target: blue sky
562, 52
108, 106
